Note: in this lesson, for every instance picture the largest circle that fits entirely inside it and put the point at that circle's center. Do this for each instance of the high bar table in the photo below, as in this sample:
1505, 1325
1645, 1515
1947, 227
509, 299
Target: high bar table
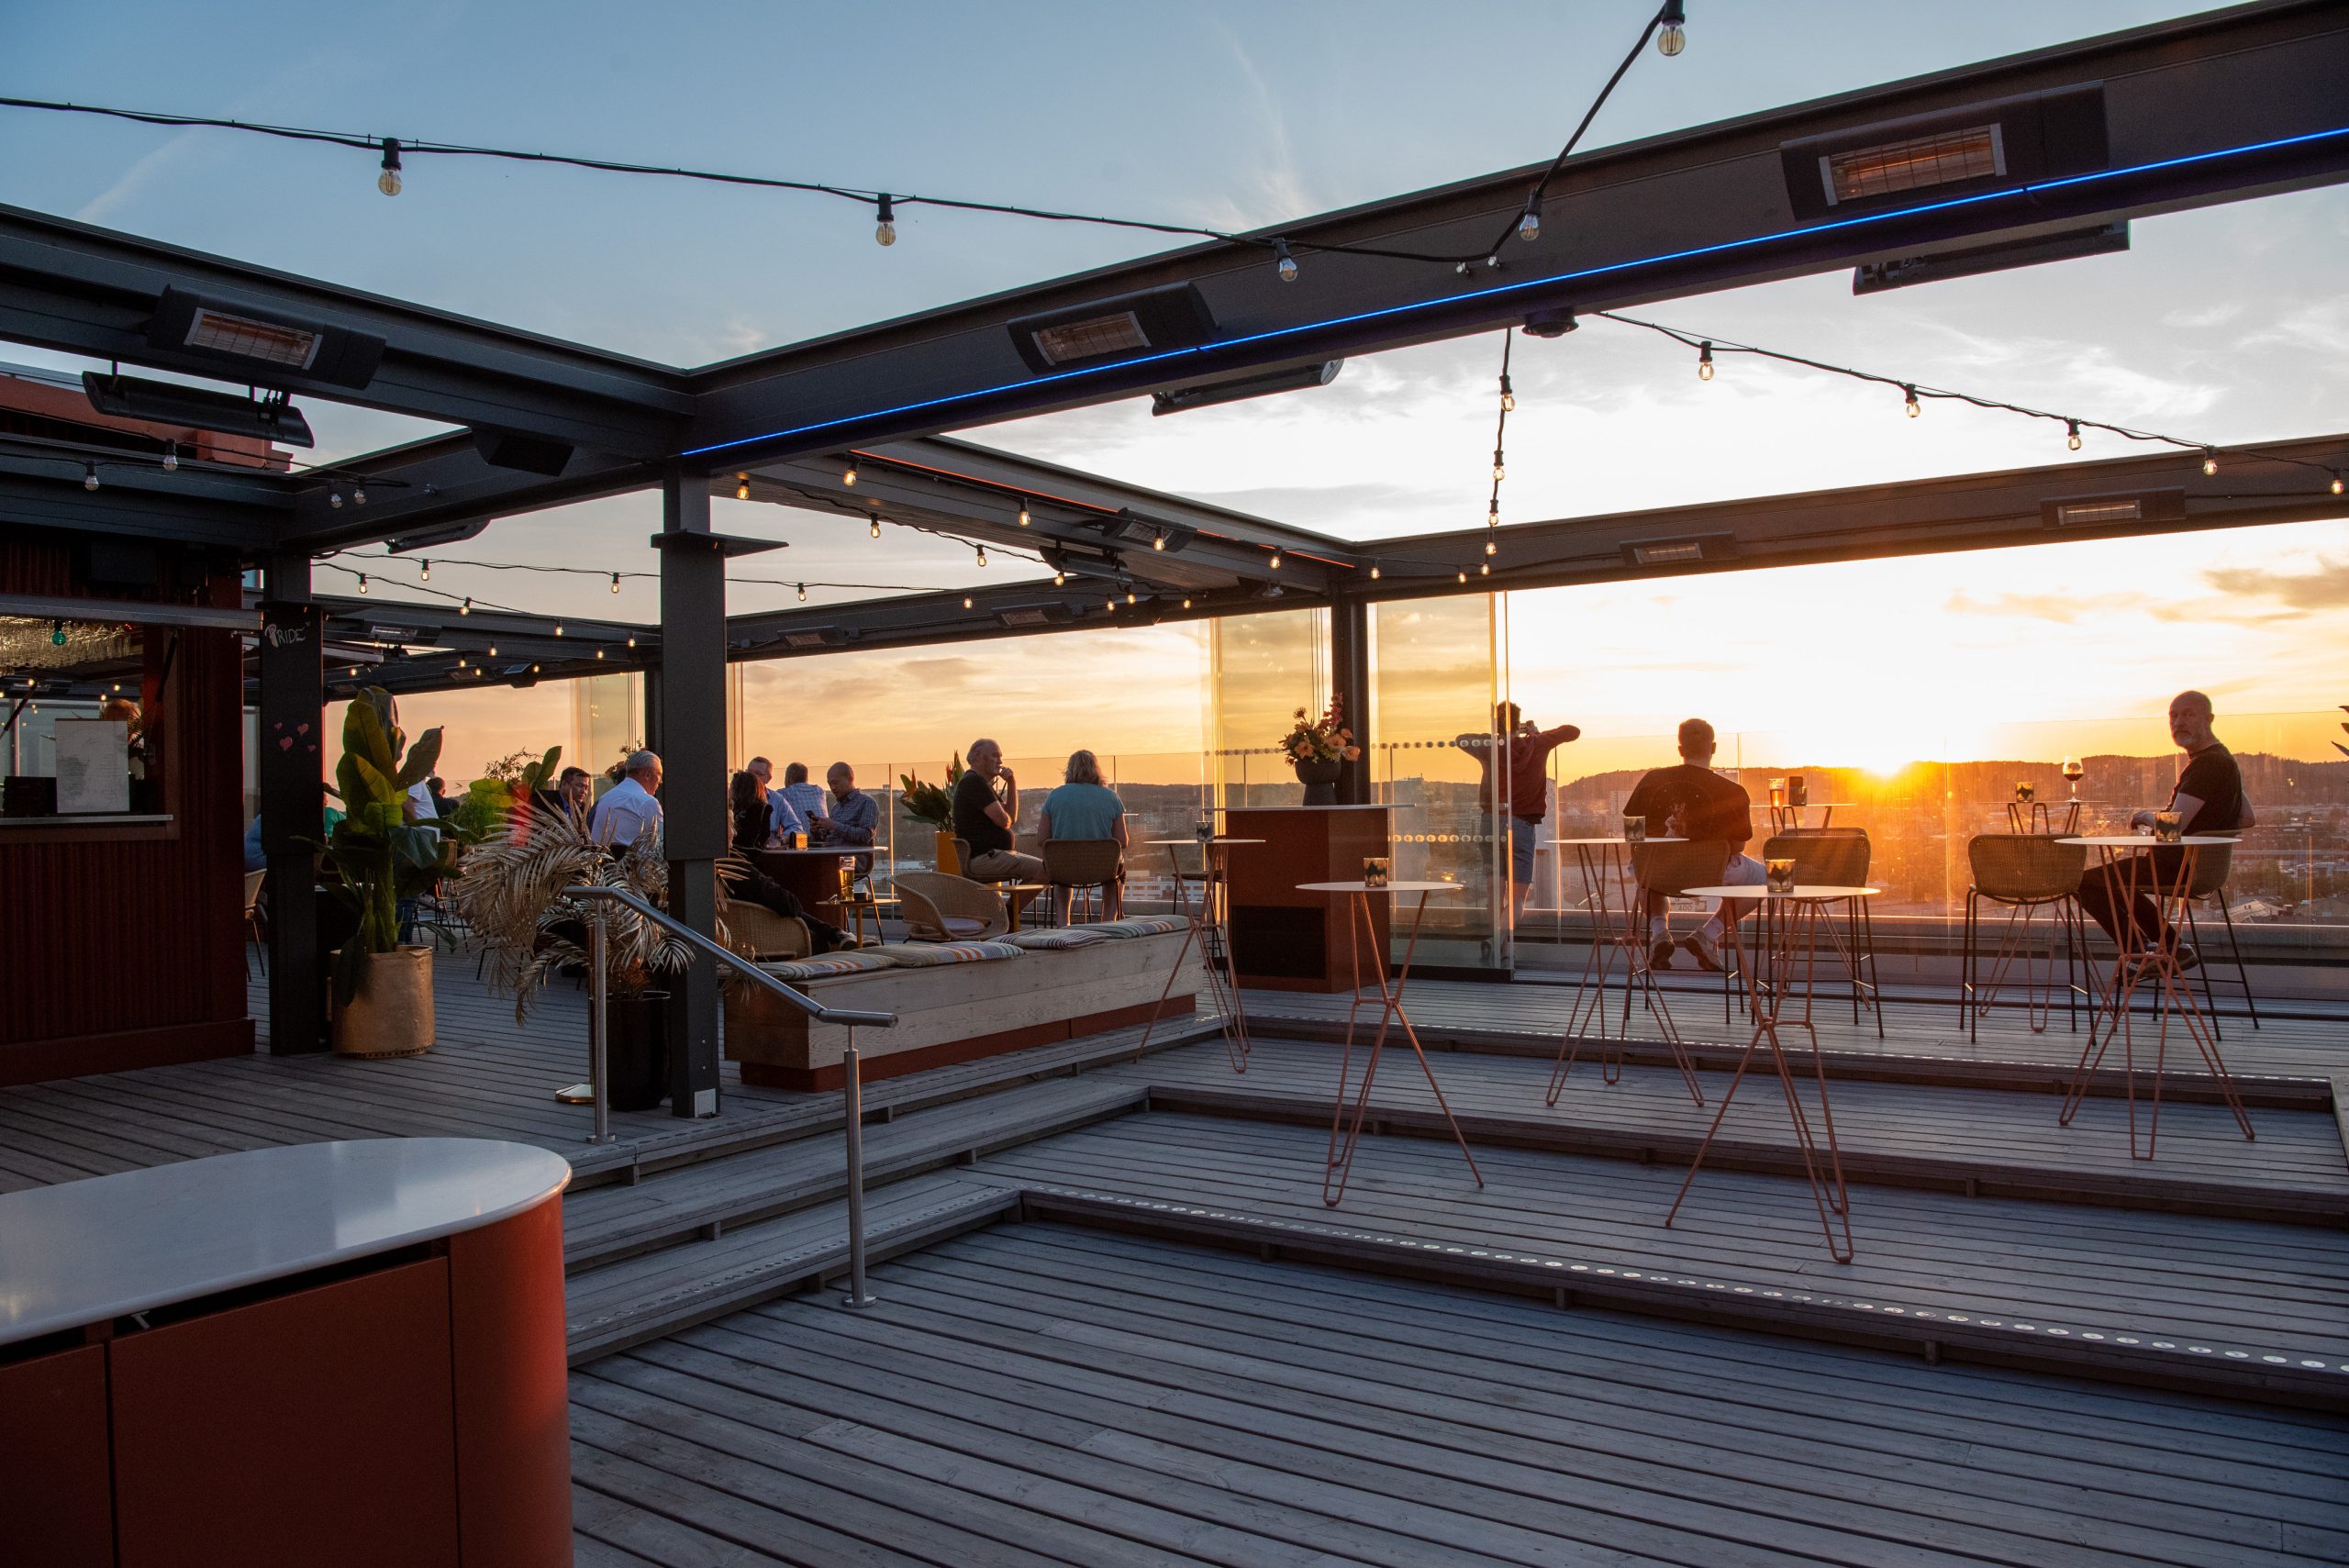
1211, 928
1598, 859
1363, 931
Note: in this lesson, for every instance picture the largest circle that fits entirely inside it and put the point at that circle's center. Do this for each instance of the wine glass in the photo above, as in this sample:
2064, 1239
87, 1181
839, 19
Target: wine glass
2073, 773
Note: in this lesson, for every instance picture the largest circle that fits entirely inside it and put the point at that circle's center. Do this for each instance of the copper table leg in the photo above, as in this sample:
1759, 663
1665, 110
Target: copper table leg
1344, 1139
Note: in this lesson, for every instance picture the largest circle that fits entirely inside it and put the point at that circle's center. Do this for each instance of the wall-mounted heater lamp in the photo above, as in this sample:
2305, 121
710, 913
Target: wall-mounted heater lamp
1153, 321
168, 403
1685, 552
1296, 378
231, 339
2110, 511
817, 637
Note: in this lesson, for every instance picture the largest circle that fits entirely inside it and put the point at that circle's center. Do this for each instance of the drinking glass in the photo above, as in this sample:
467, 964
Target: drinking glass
1635, 830
1780, 871
2073, 773
1797, 791
1374, 869
2025, 792
2166, 827
1778, 793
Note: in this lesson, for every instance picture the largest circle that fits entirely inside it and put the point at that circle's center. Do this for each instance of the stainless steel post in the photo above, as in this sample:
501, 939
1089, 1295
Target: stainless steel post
596, 981
852, 1097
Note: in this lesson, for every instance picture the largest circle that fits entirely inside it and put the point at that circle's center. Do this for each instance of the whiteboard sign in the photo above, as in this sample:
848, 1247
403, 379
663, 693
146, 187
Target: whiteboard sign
93, 765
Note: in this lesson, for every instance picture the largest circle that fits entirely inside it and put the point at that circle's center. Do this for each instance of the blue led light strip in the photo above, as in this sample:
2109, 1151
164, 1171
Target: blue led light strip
1499, 290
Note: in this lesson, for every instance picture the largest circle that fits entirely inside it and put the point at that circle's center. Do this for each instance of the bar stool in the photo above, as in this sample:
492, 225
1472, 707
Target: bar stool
1082, 866
1839, 857
2211, 868
2023, 873
1666, 868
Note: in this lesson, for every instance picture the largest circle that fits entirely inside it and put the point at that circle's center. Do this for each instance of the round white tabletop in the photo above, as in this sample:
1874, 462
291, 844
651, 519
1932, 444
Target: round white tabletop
1650, 839
2146, 841
1800, 890
1168, 843
1378, 888
81, 1253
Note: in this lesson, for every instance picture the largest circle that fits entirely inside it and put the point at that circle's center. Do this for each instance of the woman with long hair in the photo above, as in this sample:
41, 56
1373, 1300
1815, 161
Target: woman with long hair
746, 807
1085, 808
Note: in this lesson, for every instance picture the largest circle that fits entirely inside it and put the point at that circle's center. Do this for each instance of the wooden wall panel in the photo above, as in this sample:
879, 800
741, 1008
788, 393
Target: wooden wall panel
56, 1496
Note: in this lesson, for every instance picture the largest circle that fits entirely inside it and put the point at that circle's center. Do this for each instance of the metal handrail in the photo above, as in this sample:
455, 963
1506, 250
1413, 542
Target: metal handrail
851, 1077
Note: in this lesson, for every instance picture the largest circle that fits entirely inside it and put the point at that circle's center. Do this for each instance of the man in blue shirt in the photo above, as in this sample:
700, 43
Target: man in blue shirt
852, 818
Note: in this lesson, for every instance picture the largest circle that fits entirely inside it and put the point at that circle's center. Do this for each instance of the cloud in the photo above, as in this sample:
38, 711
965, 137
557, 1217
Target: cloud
2217, 315
2067, 608
133, 179
2326, 588
1278, 190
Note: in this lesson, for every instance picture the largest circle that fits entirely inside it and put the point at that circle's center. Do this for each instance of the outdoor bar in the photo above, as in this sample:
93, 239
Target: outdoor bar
1398, 1033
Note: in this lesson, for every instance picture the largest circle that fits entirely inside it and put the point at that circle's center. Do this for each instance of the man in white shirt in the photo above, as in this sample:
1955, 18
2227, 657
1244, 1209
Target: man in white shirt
629, 806
809, 800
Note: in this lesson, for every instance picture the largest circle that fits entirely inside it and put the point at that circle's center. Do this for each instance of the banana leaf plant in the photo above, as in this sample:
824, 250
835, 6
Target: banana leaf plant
380, 857
929, 802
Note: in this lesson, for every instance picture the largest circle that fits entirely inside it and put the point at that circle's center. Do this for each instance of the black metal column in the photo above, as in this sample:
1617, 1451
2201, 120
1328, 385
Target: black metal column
292, 740
1350, 683
687, 699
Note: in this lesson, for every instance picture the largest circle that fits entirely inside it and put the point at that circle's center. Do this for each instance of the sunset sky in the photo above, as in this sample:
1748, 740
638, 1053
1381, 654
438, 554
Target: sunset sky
2224, 326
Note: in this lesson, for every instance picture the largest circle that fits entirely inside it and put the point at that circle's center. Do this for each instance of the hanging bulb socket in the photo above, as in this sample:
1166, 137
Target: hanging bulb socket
741, 487
982, 555
362, 582
2209, 461
616, 582
2336, 485
1672, 30
467, 607
1705, 361
1373, 572
426, 573
2072, 434
334, 498
1464, 576
885, 228
1023, 512
1158, 541
1060, 579
358, 497
1285, 263
1508, 396
1529, 227
966, 601
388, 180
803, 593
1275, 560
1914, 406
848, 475
875, 530
171, 457
1492, 547
90, 477
57, 634
1500, 468
1485, 570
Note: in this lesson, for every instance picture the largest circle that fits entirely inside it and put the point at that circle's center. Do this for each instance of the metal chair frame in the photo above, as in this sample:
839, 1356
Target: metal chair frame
1976, 993
1840, 857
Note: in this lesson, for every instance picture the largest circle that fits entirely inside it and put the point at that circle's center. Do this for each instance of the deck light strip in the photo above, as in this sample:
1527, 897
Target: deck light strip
1502, 290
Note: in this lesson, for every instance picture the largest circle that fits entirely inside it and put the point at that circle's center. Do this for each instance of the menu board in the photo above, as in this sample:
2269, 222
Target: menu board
93, 765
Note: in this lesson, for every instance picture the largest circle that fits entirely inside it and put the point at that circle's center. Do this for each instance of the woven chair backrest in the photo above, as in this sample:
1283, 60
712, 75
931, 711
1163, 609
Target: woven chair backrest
2022, 868
1080, 862
1669, 868
2211, 863
1823, 857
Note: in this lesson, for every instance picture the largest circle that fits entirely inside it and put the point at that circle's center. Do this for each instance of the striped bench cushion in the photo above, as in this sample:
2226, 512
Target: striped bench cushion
824, 965
933, 955
1057, 941
1137, 926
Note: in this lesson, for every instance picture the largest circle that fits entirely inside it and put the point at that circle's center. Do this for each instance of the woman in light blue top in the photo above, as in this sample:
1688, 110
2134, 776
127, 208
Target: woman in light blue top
1084, 807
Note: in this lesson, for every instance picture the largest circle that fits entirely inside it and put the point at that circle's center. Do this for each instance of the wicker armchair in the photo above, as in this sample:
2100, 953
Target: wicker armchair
2023, 874
757, 932
1073, 867
941, 909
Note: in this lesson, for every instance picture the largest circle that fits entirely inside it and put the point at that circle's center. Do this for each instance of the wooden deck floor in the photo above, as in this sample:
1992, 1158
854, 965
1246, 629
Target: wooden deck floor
1036, 1395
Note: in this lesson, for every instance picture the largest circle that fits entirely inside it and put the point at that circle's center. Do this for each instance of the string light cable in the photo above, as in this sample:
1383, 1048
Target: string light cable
395, 155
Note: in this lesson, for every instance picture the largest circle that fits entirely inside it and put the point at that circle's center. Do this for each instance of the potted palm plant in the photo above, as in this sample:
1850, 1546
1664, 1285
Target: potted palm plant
934, 803
515, 896
382, 984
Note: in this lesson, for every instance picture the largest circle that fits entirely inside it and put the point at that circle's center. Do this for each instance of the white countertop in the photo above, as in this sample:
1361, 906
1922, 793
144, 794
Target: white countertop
85, 1251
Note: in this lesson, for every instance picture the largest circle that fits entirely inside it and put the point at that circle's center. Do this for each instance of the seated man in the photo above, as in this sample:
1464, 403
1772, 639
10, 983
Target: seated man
850, 818
1084, 807
986, 804
807, 799
783, 817
2208, 799
575, 792
1691, 801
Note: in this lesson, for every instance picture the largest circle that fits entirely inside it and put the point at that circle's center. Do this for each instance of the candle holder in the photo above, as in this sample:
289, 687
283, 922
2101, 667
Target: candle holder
1780, 873
2166, 828
1375, 871
1635, 830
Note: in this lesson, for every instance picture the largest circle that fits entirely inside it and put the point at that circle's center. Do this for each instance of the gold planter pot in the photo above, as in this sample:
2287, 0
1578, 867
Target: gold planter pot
391, 1015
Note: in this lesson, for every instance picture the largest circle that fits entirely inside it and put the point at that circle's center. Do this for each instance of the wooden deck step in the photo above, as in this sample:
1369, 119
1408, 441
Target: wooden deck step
2286, 1066
2258, 1310
1031, 1394
702, 1200
1975, 1142
654, 1293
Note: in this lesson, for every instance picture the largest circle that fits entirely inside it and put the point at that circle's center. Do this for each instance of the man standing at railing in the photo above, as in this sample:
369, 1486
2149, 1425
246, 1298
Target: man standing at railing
1520, 813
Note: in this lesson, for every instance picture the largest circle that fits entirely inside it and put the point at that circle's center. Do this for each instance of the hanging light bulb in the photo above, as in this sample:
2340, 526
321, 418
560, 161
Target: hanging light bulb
1673, 36
57, 634
1060, 579
467, 607
1501, 469
849, 477
631, 642
334, 498
875, 530
362, 582
388, 182
1158, 539
1129, 596
2072, 434
982, 555
1276, 561
2336, 485
1508, 396
493, 650
354, 670
534, 668
803, 593
966, 601
600, 653
1186, 603
616, 582
358, 497
1464, 576
1373, 572
428, 571
1492, 547
741, 487
1705, 361
1110, 604
1023, 511
1493, 512
1529, 227
1912, 405
2210, 460
1485, 570
90, 476
884, 230
171, 457
1287, 263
